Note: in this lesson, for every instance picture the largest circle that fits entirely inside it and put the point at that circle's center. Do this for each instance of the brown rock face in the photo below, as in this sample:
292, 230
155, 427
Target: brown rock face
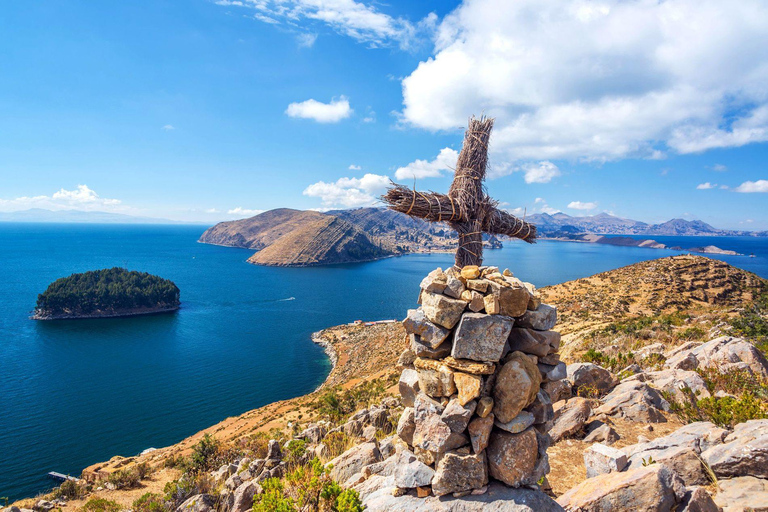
468, 386
513, 300
516, 386
539, 343
480, 432
570, 419
442, 310
459, 473
512, 457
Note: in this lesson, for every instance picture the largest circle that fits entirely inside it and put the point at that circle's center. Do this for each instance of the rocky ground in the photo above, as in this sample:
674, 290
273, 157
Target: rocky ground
653, 414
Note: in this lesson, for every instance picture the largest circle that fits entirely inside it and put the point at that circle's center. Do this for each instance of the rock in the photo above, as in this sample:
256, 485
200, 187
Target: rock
314, 433
550, 373
651, 488
675, 382
602, 434
442, 310
484, 406
480, 285
468, 386
410, 472
457, 416
481, 337
457, 473
353, 460
491, 303
233, 482
517, 384
437, 383
476, 302
273, 450
454, 288
539, 343
406, 359
423, 350
512, 457
557, 390
570, 419
432, 433
634, 401
542, 318
43, 506
353, 428
591, 376
198, 503
698, 500
721, 353
744, 452
436, 281
406, 426
742, 493
369, 433
497, 498
519, 423
469, 366
430, 334
512, 299
470, 272
541, 408
408, 386
244, 496
480, 432
600, 459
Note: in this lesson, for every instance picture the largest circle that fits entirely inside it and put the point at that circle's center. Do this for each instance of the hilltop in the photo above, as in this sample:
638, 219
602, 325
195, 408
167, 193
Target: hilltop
286, 237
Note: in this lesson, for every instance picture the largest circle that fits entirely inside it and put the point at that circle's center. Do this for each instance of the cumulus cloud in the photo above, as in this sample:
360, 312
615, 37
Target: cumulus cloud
705, 186
645, 78
719, 168
306, 40
332, 112
349, 192
578, 205
542, 172
753, 186
244, 212
418, 169
354, 167
81, 198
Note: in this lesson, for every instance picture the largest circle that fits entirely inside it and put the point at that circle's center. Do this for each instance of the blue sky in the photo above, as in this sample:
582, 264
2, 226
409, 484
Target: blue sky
204, 111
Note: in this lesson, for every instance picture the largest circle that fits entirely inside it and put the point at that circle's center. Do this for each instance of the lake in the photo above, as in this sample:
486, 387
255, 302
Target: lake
77, 392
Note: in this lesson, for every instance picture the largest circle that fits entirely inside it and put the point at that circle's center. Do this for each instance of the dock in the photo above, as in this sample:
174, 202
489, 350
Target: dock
61, 477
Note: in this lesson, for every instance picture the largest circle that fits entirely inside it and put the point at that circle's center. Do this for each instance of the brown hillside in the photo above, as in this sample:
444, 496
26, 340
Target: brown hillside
259, 231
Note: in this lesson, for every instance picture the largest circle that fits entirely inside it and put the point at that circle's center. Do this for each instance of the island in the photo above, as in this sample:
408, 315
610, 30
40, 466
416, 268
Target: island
107, 293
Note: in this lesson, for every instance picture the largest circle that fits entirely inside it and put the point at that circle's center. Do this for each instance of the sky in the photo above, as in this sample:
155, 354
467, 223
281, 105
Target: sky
203, 111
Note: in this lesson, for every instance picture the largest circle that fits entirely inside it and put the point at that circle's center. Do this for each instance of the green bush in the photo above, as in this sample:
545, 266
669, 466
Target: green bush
124, 478
205, 454
753, 323
71, 490
150, 502
273, 499
100, 505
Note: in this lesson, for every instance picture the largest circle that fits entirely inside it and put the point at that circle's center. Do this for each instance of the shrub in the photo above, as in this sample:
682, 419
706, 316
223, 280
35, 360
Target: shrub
614, 364
294, 452
178, 491
149, 502
71, 490
753, 323
729, 411
124, 478
272, 499
204, 454
100, 505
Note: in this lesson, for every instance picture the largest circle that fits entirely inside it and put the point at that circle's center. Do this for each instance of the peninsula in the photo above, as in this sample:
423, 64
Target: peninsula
106, 293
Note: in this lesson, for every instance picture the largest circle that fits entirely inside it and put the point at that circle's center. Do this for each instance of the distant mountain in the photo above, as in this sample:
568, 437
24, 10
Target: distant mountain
286, 237
78, 216
681, 227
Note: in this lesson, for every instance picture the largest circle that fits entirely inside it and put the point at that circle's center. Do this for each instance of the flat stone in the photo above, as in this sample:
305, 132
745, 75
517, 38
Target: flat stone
542, 318
513, 299
570, 419
406, 426
551, 373
198, 503
742, 493
512, 457
481, 337
634, 401
353, 460
651, 488
600, 459
516, 386
519, 423
484, 406
468, 386
430, 334
744, 453
591, 376
557, 390
411, 472
602, 434
436, 281
442, 310
457, 473
437, 383
457, 415
539, 343
469, 366
552, 359
454, 288
408, 386
479, 285
420, 349
480, 432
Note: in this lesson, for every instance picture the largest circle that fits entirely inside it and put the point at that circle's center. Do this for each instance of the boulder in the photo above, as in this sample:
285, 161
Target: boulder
423, 350
550, 373
517, 384
436, 383
406, 426
542, 318
634, 401
519, 423
457, 472
570, 419
244, 494
442, 310
457, 416
512, 457
744, 452
435, 281
468, 386
353, 460
682, 385
408, 386
512, 300
602, 434
558, 390
429, 334
480, 432
539, 343
742, 493
406, 359
481, 337
432, 433
722, 353
591, 376
652, 488
454, 287
698, 500
541, 408
313, 434
600, 459
410, 472
198, 503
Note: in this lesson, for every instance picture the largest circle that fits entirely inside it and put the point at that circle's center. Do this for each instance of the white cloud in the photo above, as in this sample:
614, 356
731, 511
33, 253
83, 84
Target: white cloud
418, 169
168, 127
81, 198
548, 210
212, 210
719, 168
753, 186
361, 22
724, 187
542, 172
354, 167
578, 205
705, 186
645, 78
370, 116
539, 200
306, 40
332, 112
244, 212
349, 192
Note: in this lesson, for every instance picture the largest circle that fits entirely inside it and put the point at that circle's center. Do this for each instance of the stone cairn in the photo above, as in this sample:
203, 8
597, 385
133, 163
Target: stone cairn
474, 383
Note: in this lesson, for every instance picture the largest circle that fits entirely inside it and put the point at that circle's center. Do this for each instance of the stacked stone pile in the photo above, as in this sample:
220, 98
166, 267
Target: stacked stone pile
482, 356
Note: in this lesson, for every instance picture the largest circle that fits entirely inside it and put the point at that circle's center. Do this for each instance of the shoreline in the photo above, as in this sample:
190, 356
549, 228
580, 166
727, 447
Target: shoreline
93, 316
647, 243
318, 339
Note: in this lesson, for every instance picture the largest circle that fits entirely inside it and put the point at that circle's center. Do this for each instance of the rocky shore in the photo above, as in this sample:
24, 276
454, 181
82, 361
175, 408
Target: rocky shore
106, 314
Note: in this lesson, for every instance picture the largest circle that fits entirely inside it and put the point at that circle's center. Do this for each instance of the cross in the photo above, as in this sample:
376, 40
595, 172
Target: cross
466, 208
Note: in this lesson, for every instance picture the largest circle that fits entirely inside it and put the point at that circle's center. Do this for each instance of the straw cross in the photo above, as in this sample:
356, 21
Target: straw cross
466, 208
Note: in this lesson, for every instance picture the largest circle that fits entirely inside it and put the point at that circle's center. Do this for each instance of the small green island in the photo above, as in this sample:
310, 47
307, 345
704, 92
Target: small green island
107, 293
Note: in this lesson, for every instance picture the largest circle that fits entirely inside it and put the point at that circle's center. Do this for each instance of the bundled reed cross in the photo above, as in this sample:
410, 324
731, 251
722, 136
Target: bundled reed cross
467, 207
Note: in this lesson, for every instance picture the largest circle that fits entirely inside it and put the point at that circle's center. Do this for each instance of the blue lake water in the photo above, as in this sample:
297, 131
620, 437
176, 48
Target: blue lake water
77, 392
